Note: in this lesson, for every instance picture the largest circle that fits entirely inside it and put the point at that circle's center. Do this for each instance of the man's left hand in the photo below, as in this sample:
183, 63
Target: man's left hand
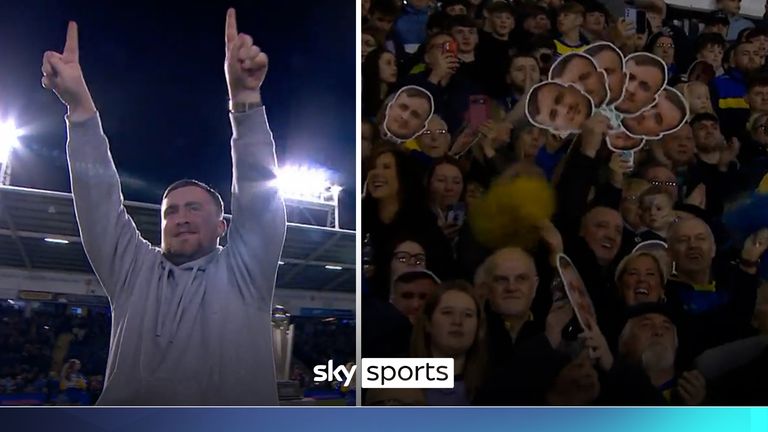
692, 387
245, 65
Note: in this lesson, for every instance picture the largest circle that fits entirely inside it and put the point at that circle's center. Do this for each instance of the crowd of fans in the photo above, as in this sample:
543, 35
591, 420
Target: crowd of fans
682, 321
50, 356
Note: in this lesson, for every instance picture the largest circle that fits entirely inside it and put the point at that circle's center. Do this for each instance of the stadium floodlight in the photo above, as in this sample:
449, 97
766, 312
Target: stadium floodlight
332, 267
9, 139
55, 240
307, 184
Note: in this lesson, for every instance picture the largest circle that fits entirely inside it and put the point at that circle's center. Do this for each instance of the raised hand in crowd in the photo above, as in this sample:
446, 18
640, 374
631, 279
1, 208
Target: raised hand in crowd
728, 154
559, 315
754, 247
444, 67
552, 238
63, 75
593, 132
598, 348
698, 197
692, 387
620, 168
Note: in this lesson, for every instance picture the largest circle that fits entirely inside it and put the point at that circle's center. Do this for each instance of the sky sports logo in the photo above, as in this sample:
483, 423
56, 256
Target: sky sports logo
392, 373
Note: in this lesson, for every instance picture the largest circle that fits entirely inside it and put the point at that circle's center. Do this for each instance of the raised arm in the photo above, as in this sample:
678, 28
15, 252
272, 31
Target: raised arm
258, 213
109, 236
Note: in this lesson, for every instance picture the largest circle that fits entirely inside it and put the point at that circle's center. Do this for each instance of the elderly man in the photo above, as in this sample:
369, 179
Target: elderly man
715, 300
509, 280
649, 341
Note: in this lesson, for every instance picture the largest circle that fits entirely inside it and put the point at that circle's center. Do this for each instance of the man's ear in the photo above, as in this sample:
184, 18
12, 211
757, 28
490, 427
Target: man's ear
221, 228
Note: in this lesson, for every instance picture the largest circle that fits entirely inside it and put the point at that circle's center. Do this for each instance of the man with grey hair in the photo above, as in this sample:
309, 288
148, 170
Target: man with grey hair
518, 349
649, 341
715, 296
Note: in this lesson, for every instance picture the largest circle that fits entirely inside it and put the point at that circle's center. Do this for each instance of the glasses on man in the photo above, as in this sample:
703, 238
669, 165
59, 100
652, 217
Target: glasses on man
665, 45
436, 131
663, 183
412, 259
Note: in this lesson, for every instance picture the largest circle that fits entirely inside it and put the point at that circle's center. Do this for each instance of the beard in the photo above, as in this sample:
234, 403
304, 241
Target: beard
658, 356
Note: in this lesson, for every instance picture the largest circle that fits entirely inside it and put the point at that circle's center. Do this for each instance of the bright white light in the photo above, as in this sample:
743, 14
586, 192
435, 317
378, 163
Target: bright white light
9, 138
306, 183
11, 302
55, 240
280, 262
333, 267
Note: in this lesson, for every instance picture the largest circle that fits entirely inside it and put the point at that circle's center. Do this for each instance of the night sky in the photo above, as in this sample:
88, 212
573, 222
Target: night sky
156, 73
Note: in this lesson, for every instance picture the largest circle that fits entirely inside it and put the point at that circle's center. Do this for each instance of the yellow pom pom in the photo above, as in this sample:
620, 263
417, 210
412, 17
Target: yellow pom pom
763, 187
508, 214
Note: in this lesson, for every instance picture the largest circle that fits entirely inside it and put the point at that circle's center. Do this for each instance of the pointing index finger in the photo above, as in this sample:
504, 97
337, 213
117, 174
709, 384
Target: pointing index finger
231, 27
71, 49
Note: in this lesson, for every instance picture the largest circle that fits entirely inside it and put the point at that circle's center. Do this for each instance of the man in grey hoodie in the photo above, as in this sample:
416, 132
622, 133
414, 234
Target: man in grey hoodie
191, 320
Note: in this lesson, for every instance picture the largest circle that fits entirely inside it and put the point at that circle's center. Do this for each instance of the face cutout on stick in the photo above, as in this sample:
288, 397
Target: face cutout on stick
557, 107
407, 114
667, 115
646, 77
577, 293
580, 70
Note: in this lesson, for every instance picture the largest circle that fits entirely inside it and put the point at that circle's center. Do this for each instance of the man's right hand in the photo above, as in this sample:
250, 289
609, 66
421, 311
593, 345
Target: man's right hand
592, 134
445, 66
62, 74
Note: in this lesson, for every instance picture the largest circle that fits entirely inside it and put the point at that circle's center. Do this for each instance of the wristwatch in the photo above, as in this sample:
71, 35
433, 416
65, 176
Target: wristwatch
241, 107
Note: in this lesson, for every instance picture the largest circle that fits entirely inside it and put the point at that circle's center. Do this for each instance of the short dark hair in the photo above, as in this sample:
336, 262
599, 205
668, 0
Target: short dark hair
500, 7
448, 3
519, 54
760, 80
559, 67
702, 117
387, 8
460, 21
707, 39
438, 21
756, 32
217, 201
572, 7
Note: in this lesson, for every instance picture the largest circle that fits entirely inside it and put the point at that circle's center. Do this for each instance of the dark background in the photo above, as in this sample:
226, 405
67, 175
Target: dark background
155, 70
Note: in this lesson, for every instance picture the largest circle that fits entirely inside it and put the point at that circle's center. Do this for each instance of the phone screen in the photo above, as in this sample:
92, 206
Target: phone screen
638, 17
479, 111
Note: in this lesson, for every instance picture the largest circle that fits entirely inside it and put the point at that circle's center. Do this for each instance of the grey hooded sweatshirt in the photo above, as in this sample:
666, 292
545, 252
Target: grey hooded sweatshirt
199, 333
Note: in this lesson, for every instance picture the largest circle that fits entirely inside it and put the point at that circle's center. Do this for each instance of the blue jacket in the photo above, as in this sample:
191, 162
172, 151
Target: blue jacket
411, 27
728, 98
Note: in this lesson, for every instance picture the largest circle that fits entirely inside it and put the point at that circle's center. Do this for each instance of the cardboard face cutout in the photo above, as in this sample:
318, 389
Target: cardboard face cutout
667, 115
631, 92
577, 293
610, 60
620, 141
407, 114
557, 107
580, 70
646, 77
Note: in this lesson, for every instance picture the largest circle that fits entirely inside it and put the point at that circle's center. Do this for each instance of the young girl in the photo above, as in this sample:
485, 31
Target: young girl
656, 213
451, 325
